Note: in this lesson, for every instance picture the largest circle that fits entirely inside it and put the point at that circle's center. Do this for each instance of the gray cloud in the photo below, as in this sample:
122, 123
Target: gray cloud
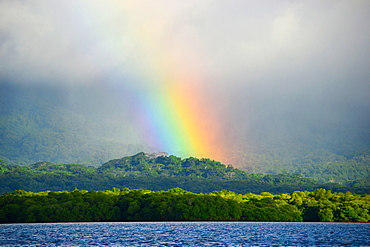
265, 63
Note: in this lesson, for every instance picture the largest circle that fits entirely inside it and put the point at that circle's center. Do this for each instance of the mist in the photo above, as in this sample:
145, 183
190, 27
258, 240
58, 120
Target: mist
272, 72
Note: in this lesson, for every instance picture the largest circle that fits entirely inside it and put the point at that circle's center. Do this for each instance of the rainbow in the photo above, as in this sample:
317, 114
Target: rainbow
175, 116
171, 107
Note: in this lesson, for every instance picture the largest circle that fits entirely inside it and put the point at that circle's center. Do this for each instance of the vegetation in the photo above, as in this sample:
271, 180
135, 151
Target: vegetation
37, 124
41, 123
320, 164
177, 204
157, 172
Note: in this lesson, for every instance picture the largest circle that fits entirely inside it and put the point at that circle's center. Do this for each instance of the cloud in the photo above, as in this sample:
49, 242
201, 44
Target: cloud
246, 38
259, 61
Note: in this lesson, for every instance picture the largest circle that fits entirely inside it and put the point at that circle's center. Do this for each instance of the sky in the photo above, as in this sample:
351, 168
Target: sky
198, 78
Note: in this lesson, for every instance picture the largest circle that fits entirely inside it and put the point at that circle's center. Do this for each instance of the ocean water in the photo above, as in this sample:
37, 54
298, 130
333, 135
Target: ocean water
185, 234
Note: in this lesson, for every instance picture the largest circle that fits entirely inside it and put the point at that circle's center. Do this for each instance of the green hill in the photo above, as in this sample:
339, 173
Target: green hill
156, 172
41, 123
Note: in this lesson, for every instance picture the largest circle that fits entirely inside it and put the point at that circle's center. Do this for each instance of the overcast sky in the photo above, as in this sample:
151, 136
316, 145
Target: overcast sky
268, 62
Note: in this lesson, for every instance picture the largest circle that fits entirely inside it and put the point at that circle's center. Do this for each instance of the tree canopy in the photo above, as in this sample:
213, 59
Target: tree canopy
177, 204
157, 172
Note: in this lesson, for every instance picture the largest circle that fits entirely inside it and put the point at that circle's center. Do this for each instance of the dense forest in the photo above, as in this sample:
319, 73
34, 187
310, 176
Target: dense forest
179, 205
158, 172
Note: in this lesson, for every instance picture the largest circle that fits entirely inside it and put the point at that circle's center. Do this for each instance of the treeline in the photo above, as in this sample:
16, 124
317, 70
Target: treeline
156, 172
319, 164
179, 205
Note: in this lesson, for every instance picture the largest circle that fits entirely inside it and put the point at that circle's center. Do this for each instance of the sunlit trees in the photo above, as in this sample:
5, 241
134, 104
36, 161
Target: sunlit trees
178, 204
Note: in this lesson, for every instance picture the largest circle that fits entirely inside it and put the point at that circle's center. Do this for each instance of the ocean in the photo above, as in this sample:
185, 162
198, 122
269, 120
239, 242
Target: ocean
186, 234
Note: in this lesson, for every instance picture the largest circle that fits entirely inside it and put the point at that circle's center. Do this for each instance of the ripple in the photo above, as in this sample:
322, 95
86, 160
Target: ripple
185, 233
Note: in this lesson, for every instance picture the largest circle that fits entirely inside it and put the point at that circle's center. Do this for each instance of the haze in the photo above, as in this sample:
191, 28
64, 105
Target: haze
275, 72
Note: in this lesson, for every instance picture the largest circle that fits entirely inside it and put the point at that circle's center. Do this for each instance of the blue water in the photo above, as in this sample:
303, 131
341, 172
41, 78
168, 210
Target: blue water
185, 234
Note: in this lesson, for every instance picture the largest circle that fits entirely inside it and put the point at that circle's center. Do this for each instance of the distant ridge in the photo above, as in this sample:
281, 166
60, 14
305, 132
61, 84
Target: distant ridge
140, 171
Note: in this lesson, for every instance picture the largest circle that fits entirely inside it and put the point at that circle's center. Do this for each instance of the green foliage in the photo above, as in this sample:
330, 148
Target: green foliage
141, 164
177, 204
154, 172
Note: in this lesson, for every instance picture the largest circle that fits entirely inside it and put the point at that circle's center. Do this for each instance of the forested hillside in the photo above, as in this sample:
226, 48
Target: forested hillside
42, 123
157, 172
39, 124
320, 164
177, 204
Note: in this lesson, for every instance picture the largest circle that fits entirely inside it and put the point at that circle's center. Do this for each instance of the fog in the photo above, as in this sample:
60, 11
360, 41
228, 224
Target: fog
270, 71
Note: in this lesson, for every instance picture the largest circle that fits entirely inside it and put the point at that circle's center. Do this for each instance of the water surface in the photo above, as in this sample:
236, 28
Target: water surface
186, 234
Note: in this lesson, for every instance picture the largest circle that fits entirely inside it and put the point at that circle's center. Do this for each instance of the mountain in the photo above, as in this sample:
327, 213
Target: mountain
39, 123
156, 172
52, 123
